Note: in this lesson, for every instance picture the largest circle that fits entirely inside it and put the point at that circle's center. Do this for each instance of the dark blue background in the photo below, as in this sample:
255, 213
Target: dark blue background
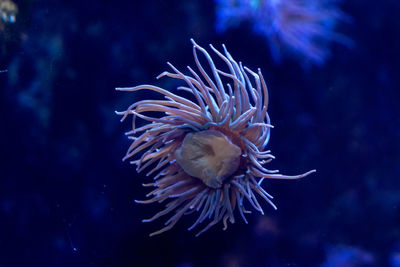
66, 199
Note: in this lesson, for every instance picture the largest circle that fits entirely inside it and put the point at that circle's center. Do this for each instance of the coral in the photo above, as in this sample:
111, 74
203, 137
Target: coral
8, 11
302, 28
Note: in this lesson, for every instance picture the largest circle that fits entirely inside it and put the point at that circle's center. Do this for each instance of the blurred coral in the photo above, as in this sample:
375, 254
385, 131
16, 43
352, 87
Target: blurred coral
301, 27
344, 255
8, 12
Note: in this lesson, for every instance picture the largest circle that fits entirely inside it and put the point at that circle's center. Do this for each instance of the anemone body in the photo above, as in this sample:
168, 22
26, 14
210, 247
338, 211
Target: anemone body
207, 155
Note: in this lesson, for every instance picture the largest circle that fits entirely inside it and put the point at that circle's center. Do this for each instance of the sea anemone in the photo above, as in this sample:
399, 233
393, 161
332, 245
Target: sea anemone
206, 154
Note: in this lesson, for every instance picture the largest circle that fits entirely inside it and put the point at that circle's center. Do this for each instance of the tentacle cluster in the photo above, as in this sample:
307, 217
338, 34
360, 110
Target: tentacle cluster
238, 110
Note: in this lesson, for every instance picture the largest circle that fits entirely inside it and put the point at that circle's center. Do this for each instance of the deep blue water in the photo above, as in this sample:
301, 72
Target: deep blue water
67, 199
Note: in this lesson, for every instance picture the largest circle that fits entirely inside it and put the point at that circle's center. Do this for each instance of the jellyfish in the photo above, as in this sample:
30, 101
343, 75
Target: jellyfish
207, 154
302, 28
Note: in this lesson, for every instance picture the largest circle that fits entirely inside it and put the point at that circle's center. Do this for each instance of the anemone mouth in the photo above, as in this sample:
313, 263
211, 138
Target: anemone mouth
208, 155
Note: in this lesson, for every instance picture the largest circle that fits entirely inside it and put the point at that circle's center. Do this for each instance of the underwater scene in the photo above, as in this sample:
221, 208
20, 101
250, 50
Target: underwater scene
200, 133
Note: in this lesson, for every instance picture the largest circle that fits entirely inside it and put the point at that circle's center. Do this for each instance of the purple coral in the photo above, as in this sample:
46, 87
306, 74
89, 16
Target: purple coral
301, 27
